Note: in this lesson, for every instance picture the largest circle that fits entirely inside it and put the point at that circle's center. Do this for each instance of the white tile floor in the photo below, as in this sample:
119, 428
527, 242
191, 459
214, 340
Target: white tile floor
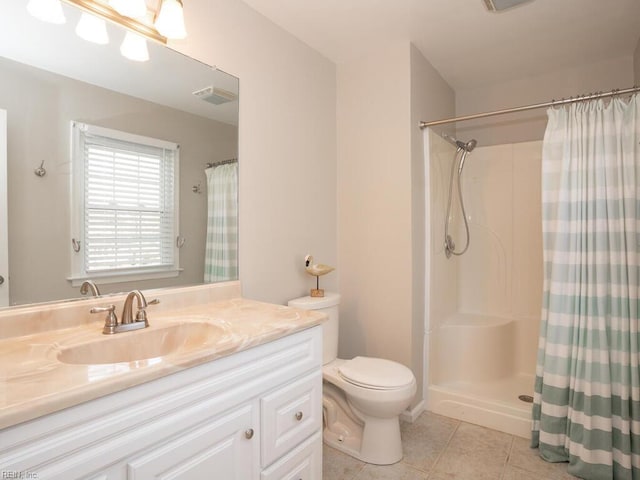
441, 448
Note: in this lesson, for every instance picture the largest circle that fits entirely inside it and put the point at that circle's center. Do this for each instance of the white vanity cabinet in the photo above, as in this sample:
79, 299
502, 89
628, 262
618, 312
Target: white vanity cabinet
256, 414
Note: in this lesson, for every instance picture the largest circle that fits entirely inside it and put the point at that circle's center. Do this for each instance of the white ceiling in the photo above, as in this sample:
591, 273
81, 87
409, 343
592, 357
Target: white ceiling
468, 45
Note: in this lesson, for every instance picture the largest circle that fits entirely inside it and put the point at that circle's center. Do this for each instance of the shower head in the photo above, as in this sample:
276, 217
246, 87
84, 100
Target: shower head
470, 145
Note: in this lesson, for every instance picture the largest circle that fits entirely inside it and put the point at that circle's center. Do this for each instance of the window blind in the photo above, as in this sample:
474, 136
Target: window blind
129, 205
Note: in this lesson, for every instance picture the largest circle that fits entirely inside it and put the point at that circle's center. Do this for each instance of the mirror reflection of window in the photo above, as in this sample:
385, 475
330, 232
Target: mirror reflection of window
125, 194
43, 91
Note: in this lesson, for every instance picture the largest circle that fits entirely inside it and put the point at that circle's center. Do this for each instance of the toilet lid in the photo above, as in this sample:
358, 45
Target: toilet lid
376, 373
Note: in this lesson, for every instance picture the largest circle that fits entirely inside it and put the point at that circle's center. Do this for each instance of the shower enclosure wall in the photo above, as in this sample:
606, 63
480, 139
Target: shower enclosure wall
484, 306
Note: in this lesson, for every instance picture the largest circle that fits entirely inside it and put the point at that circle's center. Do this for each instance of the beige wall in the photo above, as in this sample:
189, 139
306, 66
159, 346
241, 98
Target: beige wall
528, 126
40, 107
287, 145
381, 212
374, 205
636, 64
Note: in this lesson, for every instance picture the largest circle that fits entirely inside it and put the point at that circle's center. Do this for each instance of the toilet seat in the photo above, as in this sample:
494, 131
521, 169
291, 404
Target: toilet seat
375, 373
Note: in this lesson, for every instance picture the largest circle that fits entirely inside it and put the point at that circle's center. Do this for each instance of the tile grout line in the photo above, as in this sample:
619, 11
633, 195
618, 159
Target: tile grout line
415, 469
506, 462
355, 475
435, 463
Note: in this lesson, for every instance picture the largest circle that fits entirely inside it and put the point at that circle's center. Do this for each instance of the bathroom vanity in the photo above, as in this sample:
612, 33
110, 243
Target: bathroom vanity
217, 386
239, 401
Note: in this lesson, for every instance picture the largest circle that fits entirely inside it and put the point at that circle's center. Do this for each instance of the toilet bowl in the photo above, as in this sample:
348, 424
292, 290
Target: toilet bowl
362, 397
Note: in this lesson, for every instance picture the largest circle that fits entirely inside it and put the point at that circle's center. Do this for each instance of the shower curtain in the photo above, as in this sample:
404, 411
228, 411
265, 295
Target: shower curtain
587, 392
221, 254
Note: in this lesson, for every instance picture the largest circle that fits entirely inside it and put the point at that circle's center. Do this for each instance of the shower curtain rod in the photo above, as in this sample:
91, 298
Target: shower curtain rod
221, 162
552, 103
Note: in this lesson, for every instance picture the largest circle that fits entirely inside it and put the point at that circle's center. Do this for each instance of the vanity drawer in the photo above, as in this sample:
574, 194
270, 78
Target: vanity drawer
303, 463
289, 415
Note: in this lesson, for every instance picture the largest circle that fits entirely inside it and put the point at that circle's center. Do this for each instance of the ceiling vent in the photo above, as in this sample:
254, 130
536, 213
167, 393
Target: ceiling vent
215, 95
498, 5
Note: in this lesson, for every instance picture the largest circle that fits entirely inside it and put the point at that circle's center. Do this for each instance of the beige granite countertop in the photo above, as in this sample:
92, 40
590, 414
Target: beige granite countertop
34, 382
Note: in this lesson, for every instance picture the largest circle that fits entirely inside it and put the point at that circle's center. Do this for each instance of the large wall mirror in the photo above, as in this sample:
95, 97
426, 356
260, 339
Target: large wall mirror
52, 81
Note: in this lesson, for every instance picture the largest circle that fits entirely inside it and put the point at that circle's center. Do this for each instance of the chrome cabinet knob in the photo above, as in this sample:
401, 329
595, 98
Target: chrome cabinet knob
299, 416
248, 434
1, 279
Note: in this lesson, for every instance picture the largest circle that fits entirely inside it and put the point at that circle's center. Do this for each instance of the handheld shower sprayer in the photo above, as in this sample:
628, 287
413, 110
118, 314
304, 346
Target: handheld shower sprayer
465, 148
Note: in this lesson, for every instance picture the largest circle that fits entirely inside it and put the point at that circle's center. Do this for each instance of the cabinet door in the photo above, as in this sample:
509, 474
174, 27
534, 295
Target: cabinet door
223, 448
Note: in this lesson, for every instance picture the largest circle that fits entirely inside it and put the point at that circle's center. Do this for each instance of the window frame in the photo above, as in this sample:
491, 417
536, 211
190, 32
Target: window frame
77, 220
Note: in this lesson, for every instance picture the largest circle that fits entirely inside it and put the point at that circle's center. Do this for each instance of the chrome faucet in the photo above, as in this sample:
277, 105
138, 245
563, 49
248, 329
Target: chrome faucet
89, 285
127, 323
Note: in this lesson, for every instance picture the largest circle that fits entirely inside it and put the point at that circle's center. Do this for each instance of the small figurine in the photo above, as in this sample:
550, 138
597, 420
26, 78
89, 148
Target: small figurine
316, 270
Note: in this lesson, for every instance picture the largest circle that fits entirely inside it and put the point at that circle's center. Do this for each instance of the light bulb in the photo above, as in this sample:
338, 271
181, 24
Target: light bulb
46, 10
134, 47
130, 8
170, 22
92, 29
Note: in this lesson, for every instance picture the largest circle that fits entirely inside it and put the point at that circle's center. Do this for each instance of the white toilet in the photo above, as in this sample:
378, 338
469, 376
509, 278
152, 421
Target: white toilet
362, 398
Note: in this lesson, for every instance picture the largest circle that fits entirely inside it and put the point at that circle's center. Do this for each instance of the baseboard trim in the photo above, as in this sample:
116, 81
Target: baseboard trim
411, 415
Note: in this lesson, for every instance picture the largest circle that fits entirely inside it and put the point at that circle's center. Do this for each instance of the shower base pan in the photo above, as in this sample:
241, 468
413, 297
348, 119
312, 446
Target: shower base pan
492, 404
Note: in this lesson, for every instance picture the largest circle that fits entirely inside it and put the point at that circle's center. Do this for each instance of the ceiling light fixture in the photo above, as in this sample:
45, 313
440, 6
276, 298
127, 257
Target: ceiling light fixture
170, 21
102, 9
47, 10
92, 29
134, 15
134, 47
130, 8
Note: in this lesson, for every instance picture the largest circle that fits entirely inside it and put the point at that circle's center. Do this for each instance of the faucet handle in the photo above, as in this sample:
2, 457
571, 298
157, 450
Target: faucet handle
111, 321
141, 314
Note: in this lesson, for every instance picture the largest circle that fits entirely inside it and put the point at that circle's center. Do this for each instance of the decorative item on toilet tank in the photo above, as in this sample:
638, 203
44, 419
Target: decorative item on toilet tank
316, 269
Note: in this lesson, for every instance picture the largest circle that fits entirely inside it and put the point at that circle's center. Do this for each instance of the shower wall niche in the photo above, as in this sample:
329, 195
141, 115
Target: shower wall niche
484, 306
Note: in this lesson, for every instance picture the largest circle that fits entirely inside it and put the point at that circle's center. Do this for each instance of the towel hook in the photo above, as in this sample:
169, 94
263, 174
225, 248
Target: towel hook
40, 171
76, 245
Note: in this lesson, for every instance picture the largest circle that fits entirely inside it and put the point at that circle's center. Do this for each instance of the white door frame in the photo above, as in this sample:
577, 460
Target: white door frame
4, 235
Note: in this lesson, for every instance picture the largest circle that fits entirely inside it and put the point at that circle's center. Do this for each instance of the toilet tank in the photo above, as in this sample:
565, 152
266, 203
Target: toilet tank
329, 305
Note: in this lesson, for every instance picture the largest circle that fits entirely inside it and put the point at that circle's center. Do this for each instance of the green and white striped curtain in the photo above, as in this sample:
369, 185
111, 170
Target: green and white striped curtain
221, 255
587, 392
